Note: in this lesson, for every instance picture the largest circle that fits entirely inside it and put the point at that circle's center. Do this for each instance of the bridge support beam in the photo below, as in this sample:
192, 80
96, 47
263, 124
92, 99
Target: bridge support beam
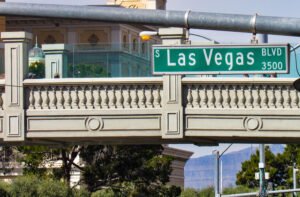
16, 64
172, 103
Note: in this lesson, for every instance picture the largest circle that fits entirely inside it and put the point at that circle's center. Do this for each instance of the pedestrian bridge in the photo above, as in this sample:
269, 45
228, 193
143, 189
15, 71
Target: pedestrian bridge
167, 109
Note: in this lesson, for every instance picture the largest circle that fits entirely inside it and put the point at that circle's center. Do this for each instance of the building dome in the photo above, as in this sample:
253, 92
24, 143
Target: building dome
36, 55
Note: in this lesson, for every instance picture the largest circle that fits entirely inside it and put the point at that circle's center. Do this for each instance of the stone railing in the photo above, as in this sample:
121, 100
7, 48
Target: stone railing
242, 93
125, 93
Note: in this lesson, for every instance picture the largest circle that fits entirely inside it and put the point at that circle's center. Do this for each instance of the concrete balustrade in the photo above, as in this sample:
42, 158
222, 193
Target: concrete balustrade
142, 110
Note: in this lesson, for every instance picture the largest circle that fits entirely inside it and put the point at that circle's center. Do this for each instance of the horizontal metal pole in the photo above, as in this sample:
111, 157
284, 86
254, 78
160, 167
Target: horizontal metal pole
191, 19
256, 193
283, 191
241, 195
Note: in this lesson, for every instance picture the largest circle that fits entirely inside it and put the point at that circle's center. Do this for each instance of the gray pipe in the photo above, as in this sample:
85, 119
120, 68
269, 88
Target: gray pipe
197, 20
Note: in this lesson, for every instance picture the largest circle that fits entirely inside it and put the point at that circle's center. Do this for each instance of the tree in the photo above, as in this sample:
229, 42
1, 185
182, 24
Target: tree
7, 155
246, 176
142, 168
279, 166
125, 169
38, 159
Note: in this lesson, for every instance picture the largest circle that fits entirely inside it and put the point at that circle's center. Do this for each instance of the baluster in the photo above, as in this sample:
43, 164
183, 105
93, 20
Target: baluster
264, 97
31, 98
242, 99
127, 99
68, 98
53, 102
83, 99
90, 98
75, 101
196, 101
150, 99
257, 99
157, 100
204, 100
45, 104
135, 99
295, 99
279, 99
212, 99
113, 99
105, 100
61, 100
97, 98
249, 99
219, 97
235, 99
298, 96
120, 98
39, 98
226, 100
143, 98
189, 97
287, 98
1, 98
272, 97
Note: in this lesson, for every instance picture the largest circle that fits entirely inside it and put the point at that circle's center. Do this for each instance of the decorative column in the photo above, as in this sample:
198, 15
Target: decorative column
172, 91
56, 60
16, 64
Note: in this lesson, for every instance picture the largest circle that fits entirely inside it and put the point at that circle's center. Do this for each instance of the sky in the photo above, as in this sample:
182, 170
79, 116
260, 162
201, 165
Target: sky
286, 8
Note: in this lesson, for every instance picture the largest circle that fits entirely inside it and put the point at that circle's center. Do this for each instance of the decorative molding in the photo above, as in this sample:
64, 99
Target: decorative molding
94, 123
252, 123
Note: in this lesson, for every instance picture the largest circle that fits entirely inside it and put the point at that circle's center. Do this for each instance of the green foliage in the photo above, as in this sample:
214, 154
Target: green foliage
88, 70
4, 189
127, 169
246, 176
37, 68
189, 192
25, 186
103, 193
207, 192
82, 192
279, 166
6, 155
34, 158
53, 188
33, 186
239, 189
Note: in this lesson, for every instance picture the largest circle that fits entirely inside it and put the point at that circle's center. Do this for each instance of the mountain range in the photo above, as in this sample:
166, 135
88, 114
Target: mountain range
199, 172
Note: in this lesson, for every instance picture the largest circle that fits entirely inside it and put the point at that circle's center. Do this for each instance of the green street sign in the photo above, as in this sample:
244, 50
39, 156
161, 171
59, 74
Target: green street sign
220, 59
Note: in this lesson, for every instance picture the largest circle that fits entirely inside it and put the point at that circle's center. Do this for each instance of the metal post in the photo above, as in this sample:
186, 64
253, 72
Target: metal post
217, 174
261, 165
221, 176
295, 179
262, 38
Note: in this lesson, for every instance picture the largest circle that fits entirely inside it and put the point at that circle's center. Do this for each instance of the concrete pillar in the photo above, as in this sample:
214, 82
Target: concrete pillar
172, 91
16, 64
56, 60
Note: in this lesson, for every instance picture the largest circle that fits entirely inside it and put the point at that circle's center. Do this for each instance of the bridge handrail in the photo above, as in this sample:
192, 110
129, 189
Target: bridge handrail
92, 81
221, 80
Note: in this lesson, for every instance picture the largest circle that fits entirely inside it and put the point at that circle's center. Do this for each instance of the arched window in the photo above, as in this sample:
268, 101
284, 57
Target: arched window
50, 40
134, 45
125, 41
93, 40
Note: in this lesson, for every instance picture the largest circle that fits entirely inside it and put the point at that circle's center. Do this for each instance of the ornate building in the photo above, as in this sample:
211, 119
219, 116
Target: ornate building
114, 47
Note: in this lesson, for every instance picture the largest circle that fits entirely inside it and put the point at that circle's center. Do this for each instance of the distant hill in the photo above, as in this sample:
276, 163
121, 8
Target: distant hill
199, 172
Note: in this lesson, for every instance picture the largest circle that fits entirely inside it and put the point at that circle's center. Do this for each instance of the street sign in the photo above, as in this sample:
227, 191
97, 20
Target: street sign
220, 59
